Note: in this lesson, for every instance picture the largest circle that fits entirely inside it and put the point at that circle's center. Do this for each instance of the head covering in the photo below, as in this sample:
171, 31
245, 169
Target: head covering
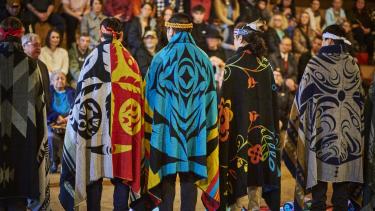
109, 31
328, 35
254, 26
213, 33
178, 25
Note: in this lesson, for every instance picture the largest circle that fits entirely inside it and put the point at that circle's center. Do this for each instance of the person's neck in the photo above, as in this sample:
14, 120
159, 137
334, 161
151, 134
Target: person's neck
143, 18
198, 22
97, 13
53, 48
59, 89
83, 51
151, 50
283, 53
336, 9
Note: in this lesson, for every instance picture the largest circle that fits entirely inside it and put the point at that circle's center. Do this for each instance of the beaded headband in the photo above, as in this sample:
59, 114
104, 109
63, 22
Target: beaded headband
179, 25
254, 26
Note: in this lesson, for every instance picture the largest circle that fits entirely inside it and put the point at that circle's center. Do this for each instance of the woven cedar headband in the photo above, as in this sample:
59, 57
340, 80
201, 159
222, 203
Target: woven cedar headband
179, 25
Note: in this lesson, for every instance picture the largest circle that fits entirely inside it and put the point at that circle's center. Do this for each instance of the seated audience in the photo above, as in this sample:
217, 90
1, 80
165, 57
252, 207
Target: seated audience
305, 57
316, 18
354, 48
42, 11
206, 5
74, 10
77, 55
335, 14
276, 32
246, 8
147, 51
176, 6
62, 98
227, 11
139, 25
287, 8
91, 22
120, 9
161, 30
12, 8
362, 27
31, 45
303, 36
199, 30
55, 57
283, 61
213, 44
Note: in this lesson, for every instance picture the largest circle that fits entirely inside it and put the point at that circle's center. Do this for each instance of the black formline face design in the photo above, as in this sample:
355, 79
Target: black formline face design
90, 118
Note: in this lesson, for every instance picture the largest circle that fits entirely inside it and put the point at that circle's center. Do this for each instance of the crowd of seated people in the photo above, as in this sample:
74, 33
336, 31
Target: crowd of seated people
292, 35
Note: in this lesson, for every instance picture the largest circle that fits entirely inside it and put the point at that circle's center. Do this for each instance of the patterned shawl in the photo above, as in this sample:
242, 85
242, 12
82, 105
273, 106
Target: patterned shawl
249, 143
325, 133
23, 143
104, 133
182, 135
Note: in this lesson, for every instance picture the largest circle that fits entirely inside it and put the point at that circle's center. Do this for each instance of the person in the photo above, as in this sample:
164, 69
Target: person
139, 25
227, 11
213, 43
362, 27
181, 109
335, 14
325, 134
200, 27
287, 8
42, 11
176, 5
31, 44
77, 55
147, 51
12, 8
91, 22
276, 32
303, 36
73, 11
249, 142
316, 18
55, 57
120, 9
23, 140
104, 131
204, 4
305, 57
61, 99
161, 30
284, 60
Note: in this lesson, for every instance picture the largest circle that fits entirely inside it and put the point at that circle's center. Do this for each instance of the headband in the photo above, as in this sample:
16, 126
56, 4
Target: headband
254, 26
11, 32
179, 25
328, 35
108, 30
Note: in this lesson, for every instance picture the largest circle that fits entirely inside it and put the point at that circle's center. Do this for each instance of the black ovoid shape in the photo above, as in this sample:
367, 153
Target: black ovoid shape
90, 118
341, 95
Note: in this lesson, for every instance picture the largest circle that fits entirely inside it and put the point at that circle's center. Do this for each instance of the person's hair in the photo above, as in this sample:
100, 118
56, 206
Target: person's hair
255, 42
114, 24
336, 30
84, 34
317, 38
182, 19
8, 24
48, 37
164, 10
300, 19
198, 8
55, 73
312, 1
27, 38
92, 2
284, 21
148, 3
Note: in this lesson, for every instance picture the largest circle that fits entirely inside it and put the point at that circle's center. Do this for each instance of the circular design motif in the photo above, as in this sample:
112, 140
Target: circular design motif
341, 95
130, 116
90, 118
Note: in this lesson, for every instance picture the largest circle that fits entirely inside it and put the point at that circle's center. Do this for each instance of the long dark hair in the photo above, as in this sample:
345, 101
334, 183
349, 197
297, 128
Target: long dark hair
48, 37
255, 42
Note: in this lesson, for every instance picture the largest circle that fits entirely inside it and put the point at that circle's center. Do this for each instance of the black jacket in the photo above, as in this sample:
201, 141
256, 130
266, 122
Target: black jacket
199, 34
277, 62
143, 58
46, 83
303, 61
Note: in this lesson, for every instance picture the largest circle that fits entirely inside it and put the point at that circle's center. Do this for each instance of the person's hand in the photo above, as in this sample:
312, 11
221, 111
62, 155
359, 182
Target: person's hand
78, 15
280, 124
366, 30
119, 16
216, 61
290, 84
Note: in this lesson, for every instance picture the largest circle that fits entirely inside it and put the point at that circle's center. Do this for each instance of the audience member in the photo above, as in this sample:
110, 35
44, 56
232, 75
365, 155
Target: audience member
316, 18
146, 52
120, 9
55, 57
228, 41
62, 99
42, 11
206, 5
354, 48
362, 27
199, 30
303, 36
335, 14
12, 8
91, 22
176, 5
287, 8
161, 29
139, 25
284, 62
31, 44
246, 8
213, 44
227, 11
305, 57
276, 32
74, 10
77, 55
